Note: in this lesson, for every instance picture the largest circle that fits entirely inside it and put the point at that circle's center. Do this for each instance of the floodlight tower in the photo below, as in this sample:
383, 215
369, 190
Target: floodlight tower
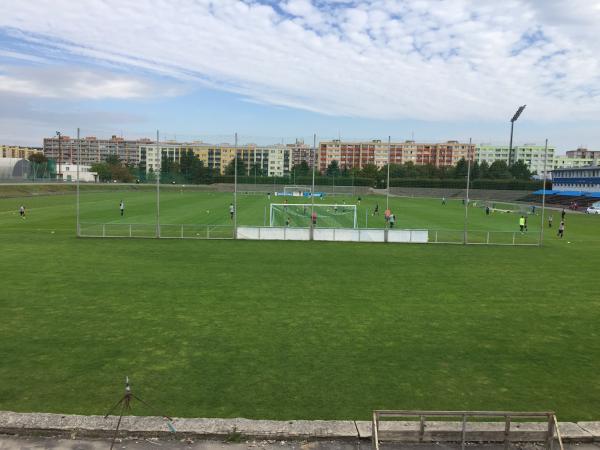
59, 155
511, 157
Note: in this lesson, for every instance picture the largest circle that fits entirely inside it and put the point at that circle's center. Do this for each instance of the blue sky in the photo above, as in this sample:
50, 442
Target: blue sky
280, 70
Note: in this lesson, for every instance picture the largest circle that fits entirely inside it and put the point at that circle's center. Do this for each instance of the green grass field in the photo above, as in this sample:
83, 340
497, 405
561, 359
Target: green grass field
293, 329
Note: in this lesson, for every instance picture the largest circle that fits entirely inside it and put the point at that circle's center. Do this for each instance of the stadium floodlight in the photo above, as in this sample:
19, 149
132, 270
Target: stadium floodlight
512, 124
58, 133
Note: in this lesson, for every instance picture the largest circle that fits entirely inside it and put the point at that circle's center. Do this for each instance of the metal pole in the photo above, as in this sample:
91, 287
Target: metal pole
78, 163
543, 194
59, 155
510, 155
468, 182
158, 169
235, 188
312, 196
387, 193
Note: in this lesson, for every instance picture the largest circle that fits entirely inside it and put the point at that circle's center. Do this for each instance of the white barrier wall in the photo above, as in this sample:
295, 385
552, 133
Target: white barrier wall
332, 234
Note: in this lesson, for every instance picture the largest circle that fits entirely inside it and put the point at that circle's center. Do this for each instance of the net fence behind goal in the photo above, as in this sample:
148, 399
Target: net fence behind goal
299, 215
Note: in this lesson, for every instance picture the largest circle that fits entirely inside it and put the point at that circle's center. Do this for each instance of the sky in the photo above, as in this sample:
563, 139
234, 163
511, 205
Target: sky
276, 71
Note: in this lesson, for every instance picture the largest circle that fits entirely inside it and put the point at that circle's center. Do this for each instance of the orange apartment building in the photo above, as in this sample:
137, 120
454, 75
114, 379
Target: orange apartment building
358, 154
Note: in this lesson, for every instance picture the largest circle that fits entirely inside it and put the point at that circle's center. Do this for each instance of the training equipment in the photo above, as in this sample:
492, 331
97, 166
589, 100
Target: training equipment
299, 215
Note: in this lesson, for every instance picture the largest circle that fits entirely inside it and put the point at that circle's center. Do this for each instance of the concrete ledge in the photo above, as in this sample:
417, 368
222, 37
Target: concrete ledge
397, 431
98, 426
593, 428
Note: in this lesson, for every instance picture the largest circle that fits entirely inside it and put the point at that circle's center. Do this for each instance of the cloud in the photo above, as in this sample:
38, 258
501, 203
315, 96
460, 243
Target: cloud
382, 59
76, 83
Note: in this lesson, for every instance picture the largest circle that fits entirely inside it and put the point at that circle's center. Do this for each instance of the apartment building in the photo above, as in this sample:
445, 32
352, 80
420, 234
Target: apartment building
584, 153
12, 151
302, 152
272, 160
358, 154
92, 150
532, 155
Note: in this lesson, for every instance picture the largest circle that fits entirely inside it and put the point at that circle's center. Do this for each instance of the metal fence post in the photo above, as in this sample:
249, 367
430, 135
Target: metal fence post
181, 231
103, 230
436, 236
130, 230
514, 237
487, 241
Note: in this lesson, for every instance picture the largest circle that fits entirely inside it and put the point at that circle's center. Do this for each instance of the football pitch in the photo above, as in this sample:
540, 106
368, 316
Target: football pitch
293, 330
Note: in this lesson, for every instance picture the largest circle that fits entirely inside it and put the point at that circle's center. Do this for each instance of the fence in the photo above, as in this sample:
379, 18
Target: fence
205, 231
165, 231
332, 234
483, 237
414, 427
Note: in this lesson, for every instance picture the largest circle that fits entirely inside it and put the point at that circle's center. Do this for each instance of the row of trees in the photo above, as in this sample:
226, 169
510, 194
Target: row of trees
190, 169
498, 170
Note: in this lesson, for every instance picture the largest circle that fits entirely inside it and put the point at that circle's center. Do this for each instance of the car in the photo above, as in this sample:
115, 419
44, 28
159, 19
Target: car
593, 210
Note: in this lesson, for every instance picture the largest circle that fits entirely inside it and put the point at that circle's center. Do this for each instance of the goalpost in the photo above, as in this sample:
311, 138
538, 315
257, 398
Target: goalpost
299, 215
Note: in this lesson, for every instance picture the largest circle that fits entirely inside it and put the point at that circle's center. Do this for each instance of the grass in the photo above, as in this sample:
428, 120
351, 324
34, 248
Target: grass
287, 330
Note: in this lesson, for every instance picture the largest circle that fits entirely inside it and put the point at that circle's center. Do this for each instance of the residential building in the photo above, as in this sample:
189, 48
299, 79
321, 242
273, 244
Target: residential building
302, 152
584, 153
351, 155
571, 162
12, 151
271, 160
92, 149
584, 179
534, 156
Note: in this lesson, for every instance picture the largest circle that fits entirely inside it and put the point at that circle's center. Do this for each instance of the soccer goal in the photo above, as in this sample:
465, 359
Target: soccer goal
299, 215
297, 191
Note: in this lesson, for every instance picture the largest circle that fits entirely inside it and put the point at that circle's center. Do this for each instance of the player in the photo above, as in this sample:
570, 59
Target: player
376, 210
550, 219
231, 210
487, 210
285, 205
122, 208
22, 212
335, 209
525, 223
387, 215
269, 195
287, 221
304, 210
522, 224
561, 229
392, 220
359, 199
313, 218
562, 214
443, 201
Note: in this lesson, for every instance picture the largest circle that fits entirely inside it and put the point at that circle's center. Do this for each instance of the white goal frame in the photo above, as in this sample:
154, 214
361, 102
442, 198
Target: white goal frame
316, 205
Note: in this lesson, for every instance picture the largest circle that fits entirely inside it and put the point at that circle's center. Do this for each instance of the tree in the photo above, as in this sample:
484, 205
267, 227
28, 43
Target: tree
241, 167
460, 171
257, 170
302, 169
475, 171
499, 170
39, 164
103, 171
333, 169
370, 171
520, 171
484, 170
113, 160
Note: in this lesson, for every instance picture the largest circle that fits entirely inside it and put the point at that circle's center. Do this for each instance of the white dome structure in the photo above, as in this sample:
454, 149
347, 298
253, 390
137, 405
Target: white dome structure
14, 169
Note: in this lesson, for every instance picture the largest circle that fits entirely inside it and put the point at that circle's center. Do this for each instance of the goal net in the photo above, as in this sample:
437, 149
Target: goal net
299, 215
297, 191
